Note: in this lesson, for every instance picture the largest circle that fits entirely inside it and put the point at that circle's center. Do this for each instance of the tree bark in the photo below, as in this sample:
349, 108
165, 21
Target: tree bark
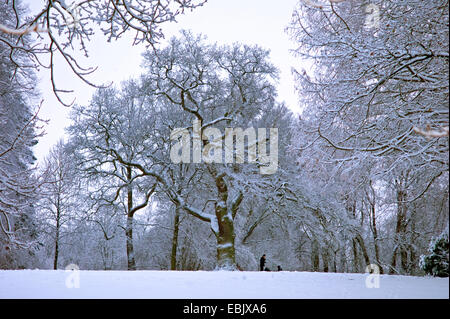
343, 260
412, 261
225, 242
360, 241
400, 230
226, 258
375, 238
58, 226
325, 259
392, 270
176, 225
404, 259
55, 260
129, 228
315, 259
373, 219
356, 265
335, 261
130, 248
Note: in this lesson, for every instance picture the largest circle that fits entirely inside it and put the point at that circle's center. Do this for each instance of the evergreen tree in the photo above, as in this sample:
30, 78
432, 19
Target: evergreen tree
436, 263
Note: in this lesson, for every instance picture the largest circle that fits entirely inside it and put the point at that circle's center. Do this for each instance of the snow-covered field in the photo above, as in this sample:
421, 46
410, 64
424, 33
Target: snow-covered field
213, 285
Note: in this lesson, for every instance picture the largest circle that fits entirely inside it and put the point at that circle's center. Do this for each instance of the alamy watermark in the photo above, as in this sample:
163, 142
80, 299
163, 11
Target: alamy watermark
372, 20
220, 147
373, 16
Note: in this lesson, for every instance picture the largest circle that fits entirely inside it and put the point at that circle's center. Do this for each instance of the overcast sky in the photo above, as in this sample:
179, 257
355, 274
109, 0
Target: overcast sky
259, 22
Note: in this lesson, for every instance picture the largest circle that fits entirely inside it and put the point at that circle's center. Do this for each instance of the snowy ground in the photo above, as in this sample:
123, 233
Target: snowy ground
213, 285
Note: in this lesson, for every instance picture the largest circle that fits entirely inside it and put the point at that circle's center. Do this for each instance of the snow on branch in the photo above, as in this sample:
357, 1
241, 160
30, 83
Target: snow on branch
22, 31
429, 133
63, 27
198, 213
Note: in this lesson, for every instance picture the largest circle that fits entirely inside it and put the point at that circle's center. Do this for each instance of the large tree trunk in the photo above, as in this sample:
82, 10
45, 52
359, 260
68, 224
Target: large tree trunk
129, 227
225, 241
222, 222
176, 225
404, 259
226, 258
412, 261
400, 231
373, 224
335, 261
130, 248
315, 259
325, 259
356, 265
343, 260
375, 238
392, 270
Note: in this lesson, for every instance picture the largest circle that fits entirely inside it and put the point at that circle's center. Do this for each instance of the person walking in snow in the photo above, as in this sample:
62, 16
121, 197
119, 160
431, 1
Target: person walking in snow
279, 268
262, 262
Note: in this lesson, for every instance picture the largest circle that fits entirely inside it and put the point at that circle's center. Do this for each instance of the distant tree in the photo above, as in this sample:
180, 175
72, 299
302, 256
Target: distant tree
59, 196
107, 135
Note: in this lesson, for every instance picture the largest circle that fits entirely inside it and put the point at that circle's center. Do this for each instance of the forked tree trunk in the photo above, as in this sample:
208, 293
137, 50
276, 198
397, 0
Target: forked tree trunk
222, 222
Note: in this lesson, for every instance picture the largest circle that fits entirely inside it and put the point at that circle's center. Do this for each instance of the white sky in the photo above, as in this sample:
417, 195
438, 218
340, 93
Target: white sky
259, 22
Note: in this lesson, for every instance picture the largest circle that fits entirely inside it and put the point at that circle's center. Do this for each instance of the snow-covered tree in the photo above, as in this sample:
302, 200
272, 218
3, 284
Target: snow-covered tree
227, 86
375, 113
19, 130
106, 135
436, 263
63, 28
59, 197
397, 84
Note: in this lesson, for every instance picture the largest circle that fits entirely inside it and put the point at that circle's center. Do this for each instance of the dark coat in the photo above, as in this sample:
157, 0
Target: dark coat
262, 262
